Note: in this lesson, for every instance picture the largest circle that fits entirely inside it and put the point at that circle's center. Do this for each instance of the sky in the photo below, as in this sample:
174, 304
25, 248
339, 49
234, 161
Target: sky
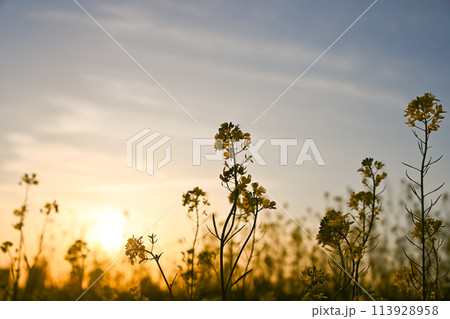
71, 96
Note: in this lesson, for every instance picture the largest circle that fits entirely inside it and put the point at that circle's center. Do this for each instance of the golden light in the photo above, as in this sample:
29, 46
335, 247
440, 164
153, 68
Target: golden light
108, 230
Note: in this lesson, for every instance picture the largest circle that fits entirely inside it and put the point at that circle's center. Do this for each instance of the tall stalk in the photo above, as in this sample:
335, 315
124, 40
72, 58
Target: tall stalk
195, 199
245, 202
349, 239
135, 249
424, 114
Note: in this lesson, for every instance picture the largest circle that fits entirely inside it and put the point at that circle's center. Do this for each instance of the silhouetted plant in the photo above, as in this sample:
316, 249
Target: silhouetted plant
333, 232
18, 258
401, 279
137, 294
135, 249
76, 255
367, 205
196, 202
424, 114
314, 280
349, 239
243, 194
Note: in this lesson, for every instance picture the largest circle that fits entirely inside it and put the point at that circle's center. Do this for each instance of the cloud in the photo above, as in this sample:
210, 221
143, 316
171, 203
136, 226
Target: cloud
62, 160
52, 15
132, 92
72, 115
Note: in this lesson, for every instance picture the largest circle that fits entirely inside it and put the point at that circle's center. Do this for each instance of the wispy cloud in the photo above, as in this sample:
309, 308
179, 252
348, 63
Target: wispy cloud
74, 97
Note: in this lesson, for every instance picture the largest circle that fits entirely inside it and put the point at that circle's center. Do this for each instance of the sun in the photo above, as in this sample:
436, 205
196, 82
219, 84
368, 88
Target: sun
109, 229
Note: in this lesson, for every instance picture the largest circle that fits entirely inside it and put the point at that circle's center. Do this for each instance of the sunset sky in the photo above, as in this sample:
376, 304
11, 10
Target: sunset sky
70, 97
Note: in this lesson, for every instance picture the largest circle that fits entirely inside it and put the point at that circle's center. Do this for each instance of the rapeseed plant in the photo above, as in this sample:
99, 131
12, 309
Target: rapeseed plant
196, 202
18, 257
247, 199
348, 235
424, 114
135, 250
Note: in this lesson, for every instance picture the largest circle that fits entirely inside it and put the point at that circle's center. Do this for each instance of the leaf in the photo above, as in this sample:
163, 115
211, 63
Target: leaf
237, 231
241, 277
211, 232
174, 278
215, 226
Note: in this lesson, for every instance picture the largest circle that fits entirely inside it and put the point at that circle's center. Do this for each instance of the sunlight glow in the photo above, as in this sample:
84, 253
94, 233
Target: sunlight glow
108, 230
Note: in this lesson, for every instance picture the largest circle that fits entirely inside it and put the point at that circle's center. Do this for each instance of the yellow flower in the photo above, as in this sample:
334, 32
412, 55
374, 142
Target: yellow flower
228, 135
135, 248
334, 227
401, 279
426, 110
431, 227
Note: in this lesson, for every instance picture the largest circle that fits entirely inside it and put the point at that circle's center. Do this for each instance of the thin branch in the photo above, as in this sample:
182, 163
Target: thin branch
434, 190
237, 231
410, 166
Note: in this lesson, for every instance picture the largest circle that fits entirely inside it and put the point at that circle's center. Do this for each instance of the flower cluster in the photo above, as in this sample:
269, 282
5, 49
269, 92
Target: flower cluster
334, 227
228, 135
370, 169
5, 246
354, 249
361, 202
254, 200
76, 255
313, 276
134, 249
49, 207
21, 211
401, 279
230, 174
314, 280
29, 179
426, 110
192, 199
431, 227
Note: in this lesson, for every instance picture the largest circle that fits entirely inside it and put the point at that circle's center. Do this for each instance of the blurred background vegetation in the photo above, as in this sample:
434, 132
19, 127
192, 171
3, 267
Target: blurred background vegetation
287, 264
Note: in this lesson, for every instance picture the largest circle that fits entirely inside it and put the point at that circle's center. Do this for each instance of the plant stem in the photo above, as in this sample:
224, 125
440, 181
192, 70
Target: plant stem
422, 208
21, 243
30, 268
191, 288
226, 231
223, 239
250, 257
169, 287
242, 249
